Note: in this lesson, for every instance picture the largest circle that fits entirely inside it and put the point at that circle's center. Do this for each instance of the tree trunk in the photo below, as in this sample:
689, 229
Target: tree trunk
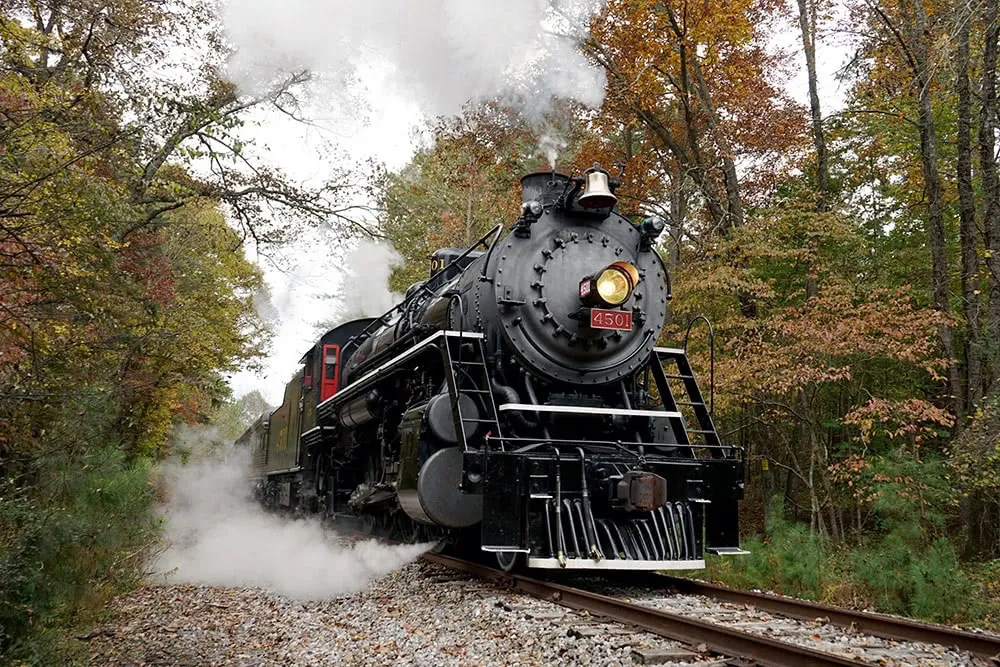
678, 214
920, 48
734, 201
806, 434
968, 234
991, 187
807, 25
689, 60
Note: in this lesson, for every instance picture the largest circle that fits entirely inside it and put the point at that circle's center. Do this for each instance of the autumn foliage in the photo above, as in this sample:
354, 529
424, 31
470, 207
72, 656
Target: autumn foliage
124, 296
845, 270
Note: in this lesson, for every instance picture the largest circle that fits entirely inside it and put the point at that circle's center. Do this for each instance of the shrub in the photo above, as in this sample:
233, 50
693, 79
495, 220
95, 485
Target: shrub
68, 543
789, 559
927, 582
902, 571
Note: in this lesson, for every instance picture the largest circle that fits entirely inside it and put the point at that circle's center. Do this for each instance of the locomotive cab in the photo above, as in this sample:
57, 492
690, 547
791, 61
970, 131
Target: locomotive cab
289, 462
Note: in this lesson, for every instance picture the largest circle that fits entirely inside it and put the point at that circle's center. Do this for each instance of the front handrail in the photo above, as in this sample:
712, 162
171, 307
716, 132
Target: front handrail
711, 358
620, 444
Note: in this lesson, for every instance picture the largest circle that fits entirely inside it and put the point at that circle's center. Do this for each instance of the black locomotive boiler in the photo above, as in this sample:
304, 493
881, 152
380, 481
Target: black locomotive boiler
517, 399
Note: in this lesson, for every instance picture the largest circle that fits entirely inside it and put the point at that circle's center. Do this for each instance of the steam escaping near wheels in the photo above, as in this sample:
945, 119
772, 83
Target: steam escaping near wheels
218, 535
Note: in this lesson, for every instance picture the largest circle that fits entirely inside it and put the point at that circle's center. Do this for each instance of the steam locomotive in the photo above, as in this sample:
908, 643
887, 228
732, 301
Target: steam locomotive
517, 400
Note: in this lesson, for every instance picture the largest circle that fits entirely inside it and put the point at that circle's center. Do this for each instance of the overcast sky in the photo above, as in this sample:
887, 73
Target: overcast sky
381, 119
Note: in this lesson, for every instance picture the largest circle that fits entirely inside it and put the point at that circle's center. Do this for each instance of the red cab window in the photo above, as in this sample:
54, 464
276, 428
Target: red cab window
331, 371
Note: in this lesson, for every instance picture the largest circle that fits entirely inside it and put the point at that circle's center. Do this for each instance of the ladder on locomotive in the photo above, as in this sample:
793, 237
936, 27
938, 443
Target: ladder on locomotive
706, 434
467, 374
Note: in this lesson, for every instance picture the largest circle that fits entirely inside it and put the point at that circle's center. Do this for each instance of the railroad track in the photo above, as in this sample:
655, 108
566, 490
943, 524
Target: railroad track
754, 648
889, 627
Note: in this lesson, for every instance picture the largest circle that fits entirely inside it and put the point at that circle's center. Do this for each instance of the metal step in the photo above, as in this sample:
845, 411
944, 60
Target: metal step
727, 551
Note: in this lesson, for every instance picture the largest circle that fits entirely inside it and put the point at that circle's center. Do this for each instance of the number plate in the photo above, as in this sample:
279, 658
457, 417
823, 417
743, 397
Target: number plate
620, 320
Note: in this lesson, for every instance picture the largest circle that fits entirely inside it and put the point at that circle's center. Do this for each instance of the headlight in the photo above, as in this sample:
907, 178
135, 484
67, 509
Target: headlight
612, 285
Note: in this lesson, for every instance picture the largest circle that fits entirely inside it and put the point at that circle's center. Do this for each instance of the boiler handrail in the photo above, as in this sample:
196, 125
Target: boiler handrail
383, 319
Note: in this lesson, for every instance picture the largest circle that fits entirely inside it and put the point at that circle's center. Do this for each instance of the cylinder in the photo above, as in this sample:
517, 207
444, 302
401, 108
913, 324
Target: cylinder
360, 411
441, 418
438, 498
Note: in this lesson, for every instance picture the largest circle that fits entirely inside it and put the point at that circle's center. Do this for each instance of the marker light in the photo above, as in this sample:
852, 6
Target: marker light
612, 285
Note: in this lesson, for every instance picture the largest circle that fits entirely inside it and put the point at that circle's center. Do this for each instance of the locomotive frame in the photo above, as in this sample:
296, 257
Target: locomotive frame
487, 409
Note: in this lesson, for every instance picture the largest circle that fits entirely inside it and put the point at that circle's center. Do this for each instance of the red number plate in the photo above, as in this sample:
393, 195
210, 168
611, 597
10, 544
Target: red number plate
611, 319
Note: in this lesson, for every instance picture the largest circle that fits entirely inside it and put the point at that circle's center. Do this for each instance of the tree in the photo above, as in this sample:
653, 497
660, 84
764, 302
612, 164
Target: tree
988, 122
457, 189
679, 71
968, 232
902, 41
789, 377
82, 59
697, 78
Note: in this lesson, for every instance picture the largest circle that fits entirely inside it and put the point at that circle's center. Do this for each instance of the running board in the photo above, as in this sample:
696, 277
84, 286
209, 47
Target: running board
324, 410
584, 410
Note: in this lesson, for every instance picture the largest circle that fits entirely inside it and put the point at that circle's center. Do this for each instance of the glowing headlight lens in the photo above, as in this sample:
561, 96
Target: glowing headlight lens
613, 286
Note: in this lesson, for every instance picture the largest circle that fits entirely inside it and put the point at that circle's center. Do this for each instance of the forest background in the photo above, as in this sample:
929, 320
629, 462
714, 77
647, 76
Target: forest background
849, 261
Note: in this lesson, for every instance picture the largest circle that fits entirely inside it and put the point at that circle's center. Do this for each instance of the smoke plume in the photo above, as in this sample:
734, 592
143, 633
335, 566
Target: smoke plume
437, 53
219, 536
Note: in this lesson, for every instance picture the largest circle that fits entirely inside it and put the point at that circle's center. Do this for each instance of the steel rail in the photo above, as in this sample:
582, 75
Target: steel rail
691, 631
984, 645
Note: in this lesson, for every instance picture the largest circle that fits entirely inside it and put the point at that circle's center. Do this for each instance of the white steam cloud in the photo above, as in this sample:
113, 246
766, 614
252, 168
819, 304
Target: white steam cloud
219, 536
549, 145
364, 288
438, 53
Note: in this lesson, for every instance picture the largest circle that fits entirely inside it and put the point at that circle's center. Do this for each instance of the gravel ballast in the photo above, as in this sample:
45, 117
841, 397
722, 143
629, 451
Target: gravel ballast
425, 614
818, 634
420, 614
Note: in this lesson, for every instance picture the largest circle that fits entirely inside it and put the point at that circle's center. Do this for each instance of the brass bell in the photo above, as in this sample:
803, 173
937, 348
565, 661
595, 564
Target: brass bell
596, 193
